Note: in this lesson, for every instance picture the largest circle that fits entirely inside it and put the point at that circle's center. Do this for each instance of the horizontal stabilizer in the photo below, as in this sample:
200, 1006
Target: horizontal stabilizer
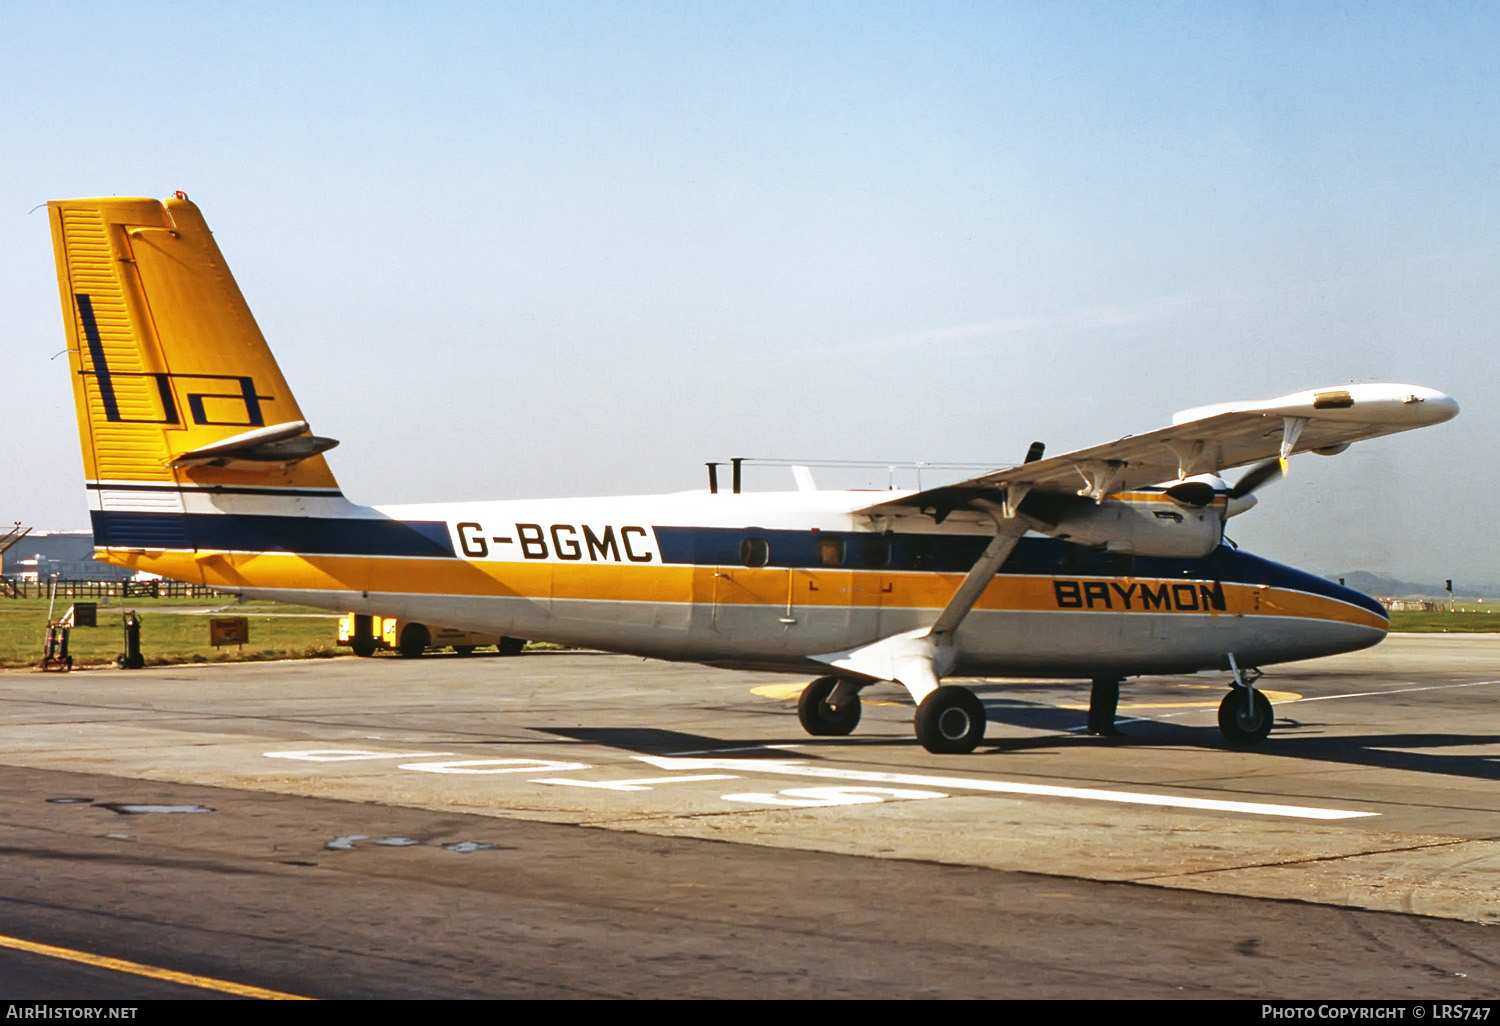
280, 443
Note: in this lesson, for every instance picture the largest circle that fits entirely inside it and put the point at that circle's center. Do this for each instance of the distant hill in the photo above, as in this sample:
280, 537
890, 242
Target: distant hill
1375, 584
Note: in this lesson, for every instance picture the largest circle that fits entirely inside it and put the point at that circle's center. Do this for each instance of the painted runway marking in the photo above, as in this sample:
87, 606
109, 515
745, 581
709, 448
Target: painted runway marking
1275, 697
792, 692
798, 769
1332, 698
489, 766
637, 784
1398, 691
821, 797
348, 755
152, 972
751, 767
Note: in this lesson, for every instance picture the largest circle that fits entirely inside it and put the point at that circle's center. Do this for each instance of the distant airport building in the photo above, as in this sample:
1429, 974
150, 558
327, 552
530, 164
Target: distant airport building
68, 554
1409, 605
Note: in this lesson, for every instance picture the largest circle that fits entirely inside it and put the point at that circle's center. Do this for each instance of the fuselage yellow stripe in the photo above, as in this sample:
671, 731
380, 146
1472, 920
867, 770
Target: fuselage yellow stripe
738, 586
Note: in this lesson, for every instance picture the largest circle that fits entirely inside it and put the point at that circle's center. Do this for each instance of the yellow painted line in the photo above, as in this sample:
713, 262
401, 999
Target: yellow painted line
137, 969
794, 692
779, 690
1275, 697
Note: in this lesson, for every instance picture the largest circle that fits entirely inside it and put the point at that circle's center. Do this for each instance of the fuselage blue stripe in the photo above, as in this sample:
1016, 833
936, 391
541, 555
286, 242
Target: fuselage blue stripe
285, 493
231, 532
712, 546
1048, 557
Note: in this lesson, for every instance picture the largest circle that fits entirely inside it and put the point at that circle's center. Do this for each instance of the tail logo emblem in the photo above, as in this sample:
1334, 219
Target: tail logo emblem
243, 405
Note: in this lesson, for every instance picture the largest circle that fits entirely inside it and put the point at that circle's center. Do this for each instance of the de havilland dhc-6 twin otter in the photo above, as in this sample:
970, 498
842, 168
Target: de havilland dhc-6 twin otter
1096, 565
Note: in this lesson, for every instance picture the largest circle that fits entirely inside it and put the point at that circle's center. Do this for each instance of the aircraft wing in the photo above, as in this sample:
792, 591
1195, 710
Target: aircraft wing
1207, 439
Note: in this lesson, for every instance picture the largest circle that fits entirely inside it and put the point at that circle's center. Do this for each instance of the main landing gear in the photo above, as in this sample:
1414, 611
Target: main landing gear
949, 721
829, 707
1245, 715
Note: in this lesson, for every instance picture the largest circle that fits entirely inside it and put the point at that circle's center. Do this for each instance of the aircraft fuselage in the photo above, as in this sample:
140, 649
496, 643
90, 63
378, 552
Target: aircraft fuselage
756, 580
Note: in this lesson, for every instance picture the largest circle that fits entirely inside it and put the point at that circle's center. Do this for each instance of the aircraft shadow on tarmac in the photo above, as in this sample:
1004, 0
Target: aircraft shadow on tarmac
1380, 751
1406, 752
656, 741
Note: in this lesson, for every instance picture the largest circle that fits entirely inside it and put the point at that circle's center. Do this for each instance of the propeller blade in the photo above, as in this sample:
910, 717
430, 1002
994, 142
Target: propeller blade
1256, 477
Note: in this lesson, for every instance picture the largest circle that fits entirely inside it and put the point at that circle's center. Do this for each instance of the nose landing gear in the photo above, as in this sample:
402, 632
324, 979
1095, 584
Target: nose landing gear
1245, 715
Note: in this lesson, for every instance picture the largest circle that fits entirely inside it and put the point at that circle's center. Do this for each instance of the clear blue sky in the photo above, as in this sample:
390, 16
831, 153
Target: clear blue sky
508, 250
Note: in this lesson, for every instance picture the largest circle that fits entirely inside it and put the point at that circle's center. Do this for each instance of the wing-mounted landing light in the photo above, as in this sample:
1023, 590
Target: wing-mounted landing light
286, 443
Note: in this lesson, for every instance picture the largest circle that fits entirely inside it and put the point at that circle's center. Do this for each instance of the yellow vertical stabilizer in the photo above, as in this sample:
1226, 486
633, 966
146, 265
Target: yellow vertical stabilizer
174, 385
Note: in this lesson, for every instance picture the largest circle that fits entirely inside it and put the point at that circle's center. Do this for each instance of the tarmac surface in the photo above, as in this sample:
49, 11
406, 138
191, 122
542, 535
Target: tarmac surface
577, 825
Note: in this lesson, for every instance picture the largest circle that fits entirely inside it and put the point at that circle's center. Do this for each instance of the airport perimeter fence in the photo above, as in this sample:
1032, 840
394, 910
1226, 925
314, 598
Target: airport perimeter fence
19, 589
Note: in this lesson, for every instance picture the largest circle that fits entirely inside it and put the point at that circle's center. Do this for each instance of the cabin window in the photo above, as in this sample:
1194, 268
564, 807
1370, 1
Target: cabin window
755, 552
875, 550
924, 553
831, 551
1076, 559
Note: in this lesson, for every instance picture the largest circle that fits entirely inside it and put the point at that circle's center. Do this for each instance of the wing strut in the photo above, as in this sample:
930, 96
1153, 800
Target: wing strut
918, 659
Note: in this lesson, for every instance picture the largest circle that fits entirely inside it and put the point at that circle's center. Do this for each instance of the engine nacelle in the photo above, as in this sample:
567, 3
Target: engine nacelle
1163, 528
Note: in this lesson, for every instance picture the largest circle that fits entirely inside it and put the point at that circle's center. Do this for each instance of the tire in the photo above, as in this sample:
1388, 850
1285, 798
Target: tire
414, 640
363, 647
1242, 724
511, 646
821, 720
950, 721
463, 650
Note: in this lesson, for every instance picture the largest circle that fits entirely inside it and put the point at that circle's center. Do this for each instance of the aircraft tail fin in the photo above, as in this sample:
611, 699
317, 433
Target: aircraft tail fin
182, 411
175, 388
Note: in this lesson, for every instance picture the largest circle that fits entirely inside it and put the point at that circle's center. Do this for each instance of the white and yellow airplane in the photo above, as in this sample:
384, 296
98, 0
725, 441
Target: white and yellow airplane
1099, 564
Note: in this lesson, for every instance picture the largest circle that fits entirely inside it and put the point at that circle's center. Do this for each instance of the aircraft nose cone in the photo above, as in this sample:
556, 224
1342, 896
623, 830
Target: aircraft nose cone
1445, 405
1428, 405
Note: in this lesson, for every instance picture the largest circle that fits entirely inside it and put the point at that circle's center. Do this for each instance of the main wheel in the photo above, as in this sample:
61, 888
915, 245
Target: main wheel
362, 646
821, 719
1243, 723
414, 640
463, 650
511, 646
950, 721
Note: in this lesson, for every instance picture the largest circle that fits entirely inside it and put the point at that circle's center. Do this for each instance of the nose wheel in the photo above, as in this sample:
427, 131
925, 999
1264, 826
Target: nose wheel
1245, 716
